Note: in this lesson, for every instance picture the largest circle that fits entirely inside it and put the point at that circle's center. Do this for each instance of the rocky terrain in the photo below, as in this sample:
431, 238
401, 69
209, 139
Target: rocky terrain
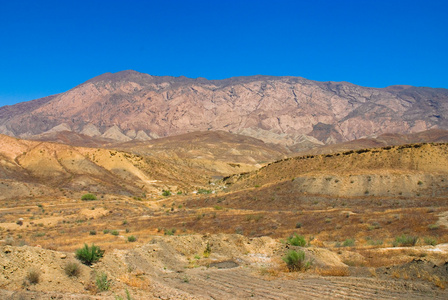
291, 111
171, 228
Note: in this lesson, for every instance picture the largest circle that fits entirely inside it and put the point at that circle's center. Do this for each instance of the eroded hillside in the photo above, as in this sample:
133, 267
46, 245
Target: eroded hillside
409, 170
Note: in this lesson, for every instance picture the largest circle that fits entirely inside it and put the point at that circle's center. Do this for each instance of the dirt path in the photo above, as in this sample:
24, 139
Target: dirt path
239, 283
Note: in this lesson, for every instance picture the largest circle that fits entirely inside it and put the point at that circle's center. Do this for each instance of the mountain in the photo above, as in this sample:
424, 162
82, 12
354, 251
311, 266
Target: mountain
290, 111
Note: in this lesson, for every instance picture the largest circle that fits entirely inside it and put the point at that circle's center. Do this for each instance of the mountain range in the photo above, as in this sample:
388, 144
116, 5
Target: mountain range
290, 111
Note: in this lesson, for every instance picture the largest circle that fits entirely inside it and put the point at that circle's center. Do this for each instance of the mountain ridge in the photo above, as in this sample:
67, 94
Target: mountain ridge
284, 110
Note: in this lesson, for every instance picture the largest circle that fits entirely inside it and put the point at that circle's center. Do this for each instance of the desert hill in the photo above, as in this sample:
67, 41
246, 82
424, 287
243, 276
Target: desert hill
384, 140
406, 170
290, 111
28, 168
179, 163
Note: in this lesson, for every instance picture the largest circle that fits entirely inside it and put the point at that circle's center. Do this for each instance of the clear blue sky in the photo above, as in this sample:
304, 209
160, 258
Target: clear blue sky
48, 47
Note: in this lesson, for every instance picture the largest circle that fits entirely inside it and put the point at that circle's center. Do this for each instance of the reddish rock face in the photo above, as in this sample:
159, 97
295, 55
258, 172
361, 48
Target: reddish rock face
284, 110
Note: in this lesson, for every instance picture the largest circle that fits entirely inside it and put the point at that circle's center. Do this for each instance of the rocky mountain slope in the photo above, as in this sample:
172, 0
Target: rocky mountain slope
291, 111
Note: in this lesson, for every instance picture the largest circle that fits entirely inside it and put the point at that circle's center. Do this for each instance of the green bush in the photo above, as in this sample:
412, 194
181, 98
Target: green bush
115, 232
166, 193
92, 232
89, 255
207, 250
106, 231
72, 269
88, 197
296, 261
296, 240
132, 238
102, 283
348, 243
430, 241
405, 240
170, 231
433, 226
204, 191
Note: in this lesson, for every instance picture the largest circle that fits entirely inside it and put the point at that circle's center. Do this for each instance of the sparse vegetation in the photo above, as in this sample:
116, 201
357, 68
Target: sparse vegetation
102, 283
433, 226
348, 243
296, 261
132, 239
89, 255
207, 251
405, 241
204, 191
72, 269
88, 197
296, 240
169, 231
430, 241
128, 296
32, 277
166, 193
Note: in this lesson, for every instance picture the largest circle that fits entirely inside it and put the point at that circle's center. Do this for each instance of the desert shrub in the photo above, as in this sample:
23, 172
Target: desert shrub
348, 243
128, 296
166, 193
32, 277
89, 255
169, 231
218, 207
433, 226
88, 197
405, 240
375, 242
298, 225
102, 283
296, 240
72, 269
204, 191
114, 232
132, 238
296, 261
430, 241
207, 250
106, 231
92, 232
374, 225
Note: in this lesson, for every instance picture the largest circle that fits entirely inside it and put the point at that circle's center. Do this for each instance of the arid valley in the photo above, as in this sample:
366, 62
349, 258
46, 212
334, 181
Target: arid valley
131, 186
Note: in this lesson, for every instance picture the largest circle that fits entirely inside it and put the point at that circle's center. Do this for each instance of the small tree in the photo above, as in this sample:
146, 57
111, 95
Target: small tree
89, 255
296, 240
296, 261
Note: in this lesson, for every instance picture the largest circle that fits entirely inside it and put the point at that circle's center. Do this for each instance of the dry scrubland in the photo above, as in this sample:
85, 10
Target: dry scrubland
374, 223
